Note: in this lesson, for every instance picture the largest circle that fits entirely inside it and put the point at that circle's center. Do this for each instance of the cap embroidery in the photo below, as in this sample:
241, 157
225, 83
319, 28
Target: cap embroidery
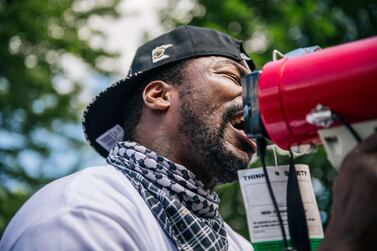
244, 56
158, 53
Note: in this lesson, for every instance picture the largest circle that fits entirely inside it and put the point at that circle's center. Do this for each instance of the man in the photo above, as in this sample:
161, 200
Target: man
181, 103
170, 131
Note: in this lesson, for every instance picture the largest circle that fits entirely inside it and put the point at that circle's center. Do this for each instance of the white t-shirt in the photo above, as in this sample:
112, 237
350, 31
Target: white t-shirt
95, 209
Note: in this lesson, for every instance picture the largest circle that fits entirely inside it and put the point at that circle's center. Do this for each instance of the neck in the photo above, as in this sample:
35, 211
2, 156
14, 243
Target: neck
164, 138
169, 148
202, 172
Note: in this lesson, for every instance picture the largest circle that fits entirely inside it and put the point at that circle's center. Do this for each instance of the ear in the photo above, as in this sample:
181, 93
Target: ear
157, 95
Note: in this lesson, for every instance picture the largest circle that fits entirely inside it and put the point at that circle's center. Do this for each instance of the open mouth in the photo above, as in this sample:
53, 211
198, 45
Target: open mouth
238, 121
238, 125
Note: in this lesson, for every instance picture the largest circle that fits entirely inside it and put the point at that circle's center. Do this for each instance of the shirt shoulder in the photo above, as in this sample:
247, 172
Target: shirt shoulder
236, 241
97, 208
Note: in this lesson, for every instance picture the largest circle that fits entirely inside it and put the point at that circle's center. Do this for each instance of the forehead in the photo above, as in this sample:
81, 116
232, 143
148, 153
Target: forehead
211, 62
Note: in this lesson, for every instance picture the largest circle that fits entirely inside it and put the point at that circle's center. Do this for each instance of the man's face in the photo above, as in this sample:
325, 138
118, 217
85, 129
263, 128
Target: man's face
211, 117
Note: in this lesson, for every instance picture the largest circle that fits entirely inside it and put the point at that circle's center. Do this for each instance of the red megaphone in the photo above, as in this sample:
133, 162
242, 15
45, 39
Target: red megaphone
295, 94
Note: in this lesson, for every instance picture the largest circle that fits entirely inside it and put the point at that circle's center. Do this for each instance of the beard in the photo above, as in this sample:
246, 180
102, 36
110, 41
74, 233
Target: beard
207, 142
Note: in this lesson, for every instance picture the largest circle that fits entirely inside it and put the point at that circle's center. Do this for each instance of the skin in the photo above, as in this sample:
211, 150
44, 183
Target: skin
189, 123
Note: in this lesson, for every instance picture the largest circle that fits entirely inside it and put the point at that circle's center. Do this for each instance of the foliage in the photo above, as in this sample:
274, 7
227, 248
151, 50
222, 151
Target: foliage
38, 99
283, 25
39, 102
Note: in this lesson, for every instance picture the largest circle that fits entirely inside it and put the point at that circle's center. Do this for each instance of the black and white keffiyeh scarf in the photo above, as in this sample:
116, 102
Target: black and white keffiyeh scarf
186, 211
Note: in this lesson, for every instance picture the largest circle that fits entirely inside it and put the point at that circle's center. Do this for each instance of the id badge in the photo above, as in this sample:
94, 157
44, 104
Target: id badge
262, 221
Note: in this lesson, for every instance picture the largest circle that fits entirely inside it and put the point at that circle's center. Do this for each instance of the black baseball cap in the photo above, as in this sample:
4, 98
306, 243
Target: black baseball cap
103, 118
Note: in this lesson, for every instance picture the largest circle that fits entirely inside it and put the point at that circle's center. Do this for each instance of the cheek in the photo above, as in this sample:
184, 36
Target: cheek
209, 118
223, 89
214, 114
209, 102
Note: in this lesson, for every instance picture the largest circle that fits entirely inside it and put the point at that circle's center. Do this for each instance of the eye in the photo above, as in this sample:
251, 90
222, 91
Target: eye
233, 77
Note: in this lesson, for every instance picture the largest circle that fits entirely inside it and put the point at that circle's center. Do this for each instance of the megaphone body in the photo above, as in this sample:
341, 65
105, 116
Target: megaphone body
296, 94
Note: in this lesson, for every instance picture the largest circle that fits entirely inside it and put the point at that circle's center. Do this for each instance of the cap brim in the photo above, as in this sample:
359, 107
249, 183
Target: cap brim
105, 111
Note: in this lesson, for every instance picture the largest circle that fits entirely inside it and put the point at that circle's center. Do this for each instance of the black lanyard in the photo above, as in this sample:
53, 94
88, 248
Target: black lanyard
298, 227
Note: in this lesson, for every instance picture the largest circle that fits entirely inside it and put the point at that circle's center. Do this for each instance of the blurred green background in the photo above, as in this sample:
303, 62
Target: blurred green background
41, 103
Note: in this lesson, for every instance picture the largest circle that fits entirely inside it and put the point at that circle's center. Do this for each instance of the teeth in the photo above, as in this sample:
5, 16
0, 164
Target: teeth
237, 120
